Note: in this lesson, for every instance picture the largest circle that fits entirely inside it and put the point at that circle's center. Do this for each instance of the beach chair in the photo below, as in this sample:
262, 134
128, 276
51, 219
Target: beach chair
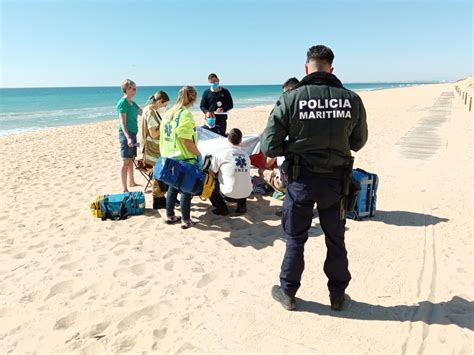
146, 170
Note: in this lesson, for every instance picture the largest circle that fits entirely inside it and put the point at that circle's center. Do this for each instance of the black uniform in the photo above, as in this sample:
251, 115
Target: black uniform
323, 122
211, 101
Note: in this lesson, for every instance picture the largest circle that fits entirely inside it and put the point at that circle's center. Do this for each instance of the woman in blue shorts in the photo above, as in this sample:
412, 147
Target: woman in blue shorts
128, 112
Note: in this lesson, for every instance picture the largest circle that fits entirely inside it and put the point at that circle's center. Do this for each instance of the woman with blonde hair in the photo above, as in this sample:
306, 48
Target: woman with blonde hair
150, 133
178, 140
128, 112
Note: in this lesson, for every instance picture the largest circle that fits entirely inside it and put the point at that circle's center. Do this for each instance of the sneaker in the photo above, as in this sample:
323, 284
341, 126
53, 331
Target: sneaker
187, 224
172, 219
159, 203
281, 297
219, 212
337, 302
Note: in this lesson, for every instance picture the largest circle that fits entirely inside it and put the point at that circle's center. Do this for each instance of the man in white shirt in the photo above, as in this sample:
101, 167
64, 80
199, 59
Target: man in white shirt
232, 167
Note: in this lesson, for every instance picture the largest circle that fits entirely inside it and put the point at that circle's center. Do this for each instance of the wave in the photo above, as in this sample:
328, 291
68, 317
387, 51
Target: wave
58, 115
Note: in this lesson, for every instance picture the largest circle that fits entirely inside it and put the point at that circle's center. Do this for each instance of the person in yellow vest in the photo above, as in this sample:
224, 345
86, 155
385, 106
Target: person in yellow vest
150, 137
178, 140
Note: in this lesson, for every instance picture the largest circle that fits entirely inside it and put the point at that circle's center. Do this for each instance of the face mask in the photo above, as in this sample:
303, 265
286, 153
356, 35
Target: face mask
211, 122
161, 111
214, 86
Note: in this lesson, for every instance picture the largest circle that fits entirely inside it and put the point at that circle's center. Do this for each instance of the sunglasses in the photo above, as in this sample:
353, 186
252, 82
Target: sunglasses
134, 89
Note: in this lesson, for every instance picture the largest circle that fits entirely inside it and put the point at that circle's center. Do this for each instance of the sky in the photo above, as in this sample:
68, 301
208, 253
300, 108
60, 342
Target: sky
99, 43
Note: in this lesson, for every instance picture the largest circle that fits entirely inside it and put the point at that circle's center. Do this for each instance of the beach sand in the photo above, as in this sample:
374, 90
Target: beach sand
72, 283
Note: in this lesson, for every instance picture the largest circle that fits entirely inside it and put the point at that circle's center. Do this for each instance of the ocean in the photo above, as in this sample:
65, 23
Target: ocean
32, 109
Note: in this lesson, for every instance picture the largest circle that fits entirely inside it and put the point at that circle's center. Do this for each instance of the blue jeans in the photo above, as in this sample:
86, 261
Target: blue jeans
185, 203
300, 198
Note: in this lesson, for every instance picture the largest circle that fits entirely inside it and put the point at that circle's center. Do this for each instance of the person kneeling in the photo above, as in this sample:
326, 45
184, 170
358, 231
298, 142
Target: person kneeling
233, 183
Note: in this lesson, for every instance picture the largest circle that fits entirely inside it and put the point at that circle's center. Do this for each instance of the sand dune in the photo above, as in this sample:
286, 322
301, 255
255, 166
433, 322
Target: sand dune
69, 282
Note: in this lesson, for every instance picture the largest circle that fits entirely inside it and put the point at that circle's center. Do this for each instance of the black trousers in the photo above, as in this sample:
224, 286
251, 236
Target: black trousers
300, 198
218, 200
221, 125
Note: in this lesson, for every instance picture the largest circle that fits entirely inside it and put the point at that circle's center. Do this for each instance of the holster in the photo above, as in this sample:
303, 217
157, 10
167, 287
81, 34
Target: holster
291, 169
350, 190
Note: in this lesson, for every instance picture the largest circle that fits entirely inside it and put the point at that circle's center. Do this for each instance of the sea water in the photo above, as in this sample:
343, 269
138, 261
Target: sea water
31, 109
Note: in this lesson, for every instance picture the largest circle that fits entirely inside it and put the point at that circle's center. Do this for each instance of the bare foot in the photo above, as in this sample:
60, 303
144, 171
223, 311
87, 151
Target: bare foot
134, 184
126, 190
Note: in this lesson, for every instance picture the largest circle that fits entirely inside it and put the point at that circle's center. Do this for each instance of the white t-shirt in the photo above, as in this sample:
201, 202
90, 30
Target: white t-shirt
233, 166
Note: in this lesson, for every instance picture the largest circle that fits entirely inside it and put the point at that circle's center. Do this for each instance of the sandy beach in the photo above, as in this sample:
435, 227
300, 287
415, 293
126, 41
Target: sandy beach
72, 283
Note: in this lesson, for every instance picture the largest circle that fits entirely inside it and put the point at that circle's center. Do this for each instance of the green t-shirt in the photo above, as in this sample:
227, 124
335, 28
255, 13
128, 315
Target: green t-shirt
172, 133
131, 110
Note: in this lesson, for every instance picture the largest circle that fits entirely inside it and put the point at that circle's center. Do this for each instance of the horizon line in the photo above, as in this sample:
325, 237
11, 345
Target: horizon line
180, 85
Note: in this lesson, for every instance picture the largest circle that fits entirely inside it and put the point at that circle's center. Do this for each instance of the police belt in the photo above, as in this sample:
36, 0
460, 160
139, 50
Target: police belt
338, 173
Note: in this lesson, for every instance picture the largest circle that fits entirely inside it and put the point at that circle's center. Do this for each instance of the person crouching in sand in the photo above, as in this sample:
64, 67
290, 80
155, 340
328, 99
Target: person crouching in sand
233, 184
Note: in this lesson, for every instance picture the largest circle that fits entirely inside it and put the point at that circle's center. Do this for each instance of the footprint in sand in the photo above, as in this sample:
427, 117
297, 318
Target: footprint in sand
160, 333
188, 347
175, 251
123, 344
198, 268
36, 246
19, 255
120, 251
69, 266
66, 322
61, 287
92, 348
96, 329
241, 273
134, 270
123, 242
28, 298
149, 313
169, 265
207, 279
141, 283
62, 259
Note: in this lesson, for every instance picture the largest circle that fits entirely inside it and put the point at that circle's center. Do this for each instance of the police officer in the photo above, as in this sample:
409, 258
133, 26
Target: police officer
323, 122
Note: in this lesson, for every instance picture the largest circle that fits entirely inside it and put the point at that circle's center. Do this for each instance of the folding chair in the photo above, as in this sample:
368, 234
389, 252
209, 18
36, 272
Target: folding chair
146, 170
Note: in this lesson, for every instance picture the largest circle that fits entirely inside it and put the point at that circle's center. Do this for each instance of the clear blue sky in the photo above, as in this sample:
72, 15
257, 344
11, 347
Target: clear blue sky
98, 43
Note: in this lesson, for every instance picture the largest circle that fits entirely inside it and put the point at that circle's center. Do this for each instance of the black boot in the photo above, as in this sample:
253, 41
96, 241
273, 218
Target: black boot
241, 206
159, 203
337, 302
281, 297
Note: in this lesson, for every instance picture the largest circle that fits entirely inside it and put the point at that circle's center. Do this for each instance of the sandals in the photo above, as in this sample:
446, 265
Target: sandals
176, 219
172, 219
187, 224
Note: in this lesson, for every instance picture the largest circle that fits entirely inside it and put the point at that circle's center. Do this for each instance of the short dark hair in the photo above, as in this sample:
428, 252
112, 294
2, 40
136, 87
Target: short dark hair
320, 53
291, 83
211, 76
235, 136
